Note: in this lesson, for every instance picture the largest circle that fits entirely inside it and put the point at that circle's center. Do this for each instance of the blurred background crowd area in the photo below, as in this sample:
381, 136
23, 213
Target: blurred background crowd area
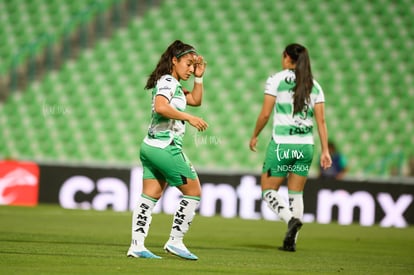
72, 77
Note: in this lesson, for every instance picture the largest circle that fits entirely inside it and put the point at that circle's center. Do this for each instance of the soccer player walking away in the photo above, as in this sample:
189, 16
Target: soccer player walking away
296, 99
163, 160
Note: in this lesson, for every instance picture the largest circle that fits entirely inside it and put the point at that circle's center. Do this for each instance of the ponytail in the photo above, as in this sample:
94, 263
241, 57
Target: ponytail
303, 73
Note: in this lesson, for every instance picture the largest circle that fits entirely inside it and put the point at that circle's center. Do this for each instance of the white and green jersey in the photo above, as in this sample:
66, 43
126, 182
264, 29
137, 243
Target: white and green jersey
289, 128
162, 131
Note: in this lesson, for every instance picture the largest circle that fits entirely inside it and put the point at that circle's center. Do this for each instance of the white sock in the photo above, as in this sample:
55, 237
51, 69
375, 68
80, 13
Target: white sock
141, 220
183, 218
296, 204
275, 202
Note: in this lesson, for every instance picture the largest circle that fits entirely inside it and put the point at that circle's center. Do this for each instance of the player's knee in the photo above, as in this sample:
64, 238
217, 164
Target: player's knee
192, 188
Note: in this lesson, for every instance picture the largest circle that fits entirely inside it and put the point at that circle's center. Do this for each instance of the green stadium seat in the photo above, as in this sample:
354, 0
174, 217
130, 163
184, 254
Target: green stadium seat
353, 57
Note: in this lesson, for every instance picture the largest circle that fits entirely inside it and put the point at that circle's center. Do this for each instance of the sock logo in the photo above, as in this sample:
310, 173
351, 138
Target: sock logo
179, 215
272, 201
19, 183
290, 204
142, 218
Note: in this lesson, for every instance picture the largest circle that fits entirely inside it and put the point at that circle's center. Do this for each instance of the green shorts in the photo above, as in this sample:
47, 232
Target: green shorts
169, 164
282, 159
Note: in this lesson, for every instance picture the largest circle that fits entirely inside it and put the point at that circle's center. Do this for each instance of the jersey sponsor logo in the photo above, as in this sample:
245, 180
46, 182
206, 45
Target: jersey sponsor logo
19, 183
300, 130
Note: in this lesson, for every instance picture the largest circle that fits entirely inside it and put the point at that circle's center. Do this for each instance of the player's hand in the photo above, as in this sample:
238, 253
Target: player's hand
252, 144
198, 123
326, 160
199, 66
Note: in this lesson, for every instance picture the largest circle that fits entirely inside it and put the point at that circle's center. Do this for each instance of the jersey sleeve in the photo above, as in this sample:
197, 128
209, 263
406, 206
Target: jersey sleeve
166, 87
271, 86
320, 96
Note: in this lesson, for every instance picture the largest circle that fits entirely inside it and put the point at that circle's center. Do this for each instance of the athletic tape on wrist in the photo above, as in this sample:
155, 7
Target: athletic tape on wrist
198, 80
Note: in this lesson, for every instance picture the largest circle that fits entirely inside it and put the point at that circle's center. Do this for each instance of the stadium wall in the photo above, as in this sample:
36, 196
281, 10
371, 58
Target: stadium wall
227, 195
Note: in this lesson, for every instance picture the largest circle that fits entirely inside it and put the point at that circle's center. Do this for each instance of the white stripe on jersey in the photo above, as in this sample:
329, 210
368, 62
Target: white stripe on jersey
279, 85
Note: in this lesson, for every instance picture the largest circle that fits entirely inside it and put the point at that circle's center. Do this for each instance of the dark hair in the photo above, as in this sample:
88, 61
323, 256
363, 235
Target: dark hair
164, 66
304, 79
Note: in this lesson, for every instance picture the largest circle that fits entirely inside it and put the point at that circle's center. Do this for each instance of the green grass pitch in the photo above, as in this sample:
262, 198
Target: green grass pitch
50, 240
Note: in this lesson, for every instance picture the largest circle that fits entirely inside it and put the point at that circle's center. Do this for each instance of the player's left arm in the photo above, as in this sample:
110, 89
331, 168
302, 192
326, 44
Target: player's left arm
326, 160
195, 97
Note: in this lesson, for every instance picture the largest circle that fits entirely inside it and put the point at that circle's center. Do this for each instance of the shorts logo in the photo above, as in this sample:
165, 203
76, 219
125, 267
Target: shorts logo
288, 154
19, 183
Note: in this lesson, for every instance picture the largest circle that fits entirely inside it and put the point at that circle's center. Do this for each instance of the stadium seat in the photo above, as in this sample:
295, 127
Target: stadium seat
353, 51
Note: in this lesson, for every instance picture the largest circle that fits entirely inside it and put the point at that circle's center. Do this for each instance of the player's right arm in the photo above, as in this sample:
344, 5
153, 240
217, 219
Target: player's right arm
262, 119
162, 107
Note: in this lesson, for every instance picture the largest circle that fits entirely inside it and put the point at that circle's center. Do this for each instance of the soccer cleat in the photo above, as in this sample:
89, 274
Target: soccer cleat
142, 254
287, 247
294, 226
180, 250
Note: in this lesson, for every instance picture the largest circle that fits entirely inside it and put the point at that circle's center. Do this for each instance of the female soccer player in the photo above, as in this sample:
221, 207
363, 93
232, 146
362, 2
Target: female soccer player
296, 98
163, 160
